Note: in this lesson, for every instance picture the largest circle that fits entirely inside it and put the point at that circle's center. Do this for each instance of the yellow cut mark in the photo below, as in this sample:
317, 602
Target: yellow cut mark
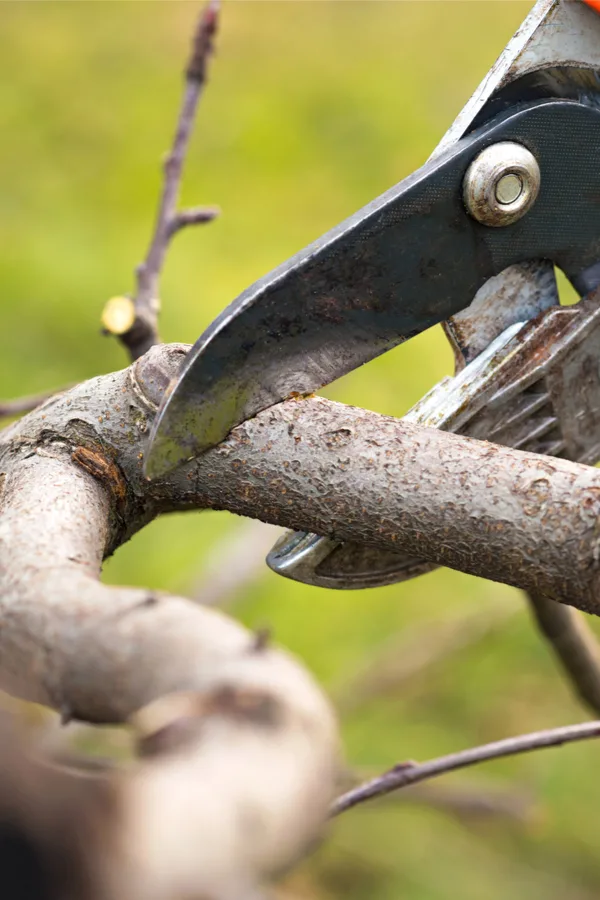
118, 315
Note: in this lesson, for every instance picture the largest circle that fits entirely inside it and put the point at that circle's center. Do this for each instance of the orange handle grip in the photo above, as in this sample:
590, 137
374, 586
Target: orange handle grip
595, 4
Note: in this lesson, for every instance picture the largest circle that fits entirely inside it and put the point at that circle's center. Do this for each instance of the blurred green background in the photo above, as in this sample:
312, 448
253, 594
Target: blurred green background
313, 109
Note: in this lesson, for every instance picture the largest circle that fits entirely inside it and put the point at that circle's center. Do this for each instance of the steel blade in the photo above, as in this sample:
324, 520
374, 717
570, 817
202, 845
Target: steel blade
410, 259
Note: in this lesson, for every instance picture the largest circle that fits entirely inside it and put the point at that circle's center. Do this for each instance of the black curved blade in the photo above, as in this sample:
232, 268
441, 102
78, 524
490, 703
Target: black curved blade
410, 259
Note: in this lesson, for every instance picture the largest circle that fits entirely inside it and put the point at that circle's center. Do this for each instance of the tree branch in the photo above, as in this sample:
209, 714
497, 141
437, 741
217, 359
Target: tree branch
573, 644
10, 408
188, 819
320, 466
72, 489
195, 215
135, 321
411, 773
240, 743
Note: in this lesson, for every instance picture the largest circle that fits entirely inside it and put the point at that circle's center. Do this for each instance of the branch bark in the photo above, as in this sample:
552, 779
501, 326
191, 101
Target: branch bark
411, 772
321, 466
574, 646
135, 321
238, 744
260, 735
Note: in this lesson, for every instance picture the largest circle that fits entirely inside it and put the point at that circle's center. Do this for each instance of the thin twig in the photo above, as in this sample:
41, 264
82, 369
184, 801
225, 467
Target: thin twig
467, 799
195, 215
138, 328
10, 408
574, 645
410, 772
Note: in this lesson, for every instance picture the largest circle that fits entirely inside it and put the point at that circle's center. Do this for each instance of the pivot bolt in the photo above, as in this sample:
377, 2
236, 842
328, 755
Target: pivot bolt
501, 184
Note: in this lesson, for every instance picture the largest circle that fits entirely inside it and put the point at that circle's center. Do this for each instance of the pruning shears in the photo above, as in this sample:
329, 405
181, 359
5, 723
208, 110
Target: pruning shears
471, 240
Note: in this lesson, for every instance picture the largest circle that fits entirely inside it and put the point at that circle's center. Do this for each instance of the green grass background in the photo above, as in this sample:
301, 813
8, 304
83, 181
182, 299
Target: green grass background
312, 110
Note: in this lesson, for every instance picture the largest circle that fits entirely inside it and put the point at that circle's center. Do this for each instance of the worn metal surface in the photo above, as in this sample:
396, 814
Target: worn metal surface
408, 260
558, 37
555, 34
323, 467
555, 53
535, 388
501, 184
518, 294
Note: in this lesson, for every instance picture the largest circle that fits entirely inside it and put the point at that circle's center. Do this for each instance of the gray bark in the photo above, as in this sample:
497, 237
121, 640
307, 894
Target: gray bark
252, 732
350, 473
238, 745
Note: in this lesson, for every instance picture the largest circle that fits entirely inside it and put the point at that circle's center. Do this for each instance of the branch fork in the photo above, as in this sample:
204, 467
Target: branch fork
237, 745
138, 328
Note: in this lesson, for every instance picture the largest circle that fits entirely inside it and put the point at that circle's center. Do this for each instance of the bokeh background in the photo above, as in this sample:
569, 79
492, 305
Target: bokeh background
313, 109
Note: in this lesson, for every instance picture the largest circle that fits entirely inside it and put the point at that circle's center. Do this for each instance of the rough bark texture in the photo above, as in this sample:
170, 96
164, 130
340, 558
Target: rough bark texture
474, 506
247, 756
237, 772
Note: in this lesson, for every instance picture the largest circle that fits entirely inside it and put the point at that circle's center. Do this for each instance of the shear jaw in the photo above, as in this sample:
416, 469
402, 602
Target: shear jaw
557, 33
535, 388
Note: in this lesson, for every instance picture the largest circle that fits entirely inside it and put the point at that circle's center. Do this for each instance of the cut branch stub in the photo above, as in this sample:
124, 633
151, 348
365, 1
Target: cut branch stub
141, 332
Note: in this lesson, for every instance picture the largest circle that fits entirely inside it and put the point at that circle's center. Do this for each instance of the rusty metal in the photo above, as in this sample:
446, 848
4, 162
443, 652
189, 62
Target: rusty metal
522, 155
555, 53
535, 388
501, 184
379, 278
518, 294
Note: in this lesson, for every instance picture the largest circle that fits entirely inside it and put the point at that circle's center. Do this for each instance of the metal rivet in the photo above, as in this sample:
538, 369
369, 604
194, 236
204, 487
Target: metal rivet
501, 184
509, 189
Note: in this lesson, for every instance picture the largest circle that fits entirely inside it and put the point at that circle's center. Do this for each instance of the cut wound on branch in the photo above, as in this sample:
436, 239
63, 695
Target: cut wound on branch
142, 332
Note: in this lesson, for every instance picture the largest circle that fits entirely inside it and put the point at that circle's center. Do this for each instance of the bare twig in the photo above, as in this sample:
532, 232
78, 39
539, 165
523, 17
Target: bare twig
466, 799
411, 772
574, 645
11, 408
195, 215
138, 329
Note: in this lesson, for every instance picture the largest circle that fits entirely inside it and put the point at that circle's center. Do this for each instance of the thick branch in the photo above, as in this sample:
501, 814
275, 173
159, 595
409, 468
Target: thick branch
321, 466
411, 773
72, 490
241, 767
